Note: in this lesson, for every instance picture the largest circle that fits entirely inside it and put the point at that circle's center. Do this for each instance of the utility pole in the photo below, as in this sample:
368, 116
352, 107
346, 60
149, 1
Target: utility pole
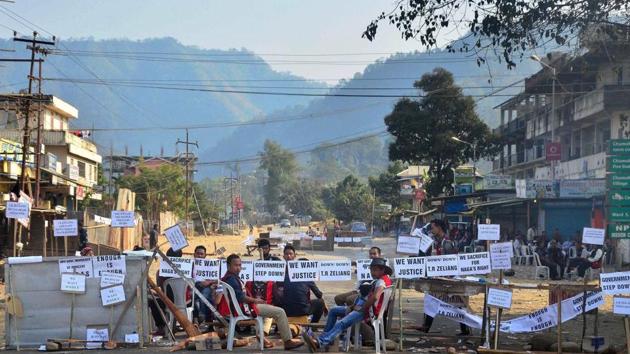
34, 42
187, 143
111, 174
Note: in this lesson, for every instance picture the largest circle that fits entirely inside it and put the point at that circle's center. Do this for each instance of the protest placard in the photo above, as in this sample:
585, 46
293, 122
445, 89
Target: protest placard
183, 264
501, 298
132, 338
408, 245
489, 232
17, 210
363, 269
108, 279
96, 337
63, 227
615, 283
591, 236
621, 305
409, 268
247, 270
501, 255
269, 270
176, 237
474, 263
206, 269
572, 307
442, 266
123, 218
335, 270
426, 241
73, 283
81, 265
112, 264
302, 271
459, 315
539, 320
112, 295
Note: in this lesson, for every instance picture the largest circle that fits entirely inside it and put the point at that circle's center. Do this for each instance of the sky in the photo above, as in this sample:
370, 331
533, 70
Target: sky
263, 26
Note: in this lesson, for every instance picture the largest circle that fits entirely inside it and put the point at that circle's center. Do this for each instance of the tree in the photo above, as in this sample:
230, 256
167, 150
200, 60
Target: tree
157, 189
281, 168
506, 27
304, 196
350, 200
387, 185
423, 130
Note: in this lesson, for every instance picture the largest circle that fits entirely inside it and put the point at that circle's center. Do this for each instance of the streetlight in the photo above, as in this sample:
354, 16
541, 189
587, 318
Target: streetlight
474, 147
553, 107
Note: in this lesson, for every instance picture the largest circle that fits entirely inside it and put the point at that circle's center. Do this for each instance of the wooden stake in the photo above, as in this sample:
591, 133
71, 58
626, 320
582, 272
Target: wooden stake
626, 323
485, 319
139, 319
498, 321
559, 327
400, 316
71, 314
65, 246
15, 228
15, 318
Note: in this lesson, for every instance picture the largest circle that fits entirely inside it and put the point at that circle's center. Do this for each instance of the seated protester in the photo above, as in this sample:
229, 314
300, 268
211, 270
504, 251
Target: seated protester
206, 287
294, 297
254, 306
264, 289
265, 249
349, 297
576, 252
362, 309
552, 258
594, 261
154, 304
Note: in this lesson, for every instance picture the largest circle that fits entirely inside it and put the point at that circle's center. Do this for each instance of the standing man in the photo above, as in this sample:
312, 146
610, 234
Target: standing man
153, 236
256, 306
531, 235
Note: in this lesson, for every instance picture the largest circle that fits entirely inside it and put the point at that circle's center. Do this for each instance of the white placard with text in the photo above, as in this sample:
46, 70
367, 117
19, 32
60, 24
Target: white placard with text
489, 232
17, 210
207, 269
123, 218
442, 266
81, 265
501, 298
410, 267
176, 237
108, 279
269, 270
73, 283
247, 270
112, 295
408, 245
303, 271
112, 264
183, 264
591, 236
335, 270
65, 227
621, 306
474, 263
615, 283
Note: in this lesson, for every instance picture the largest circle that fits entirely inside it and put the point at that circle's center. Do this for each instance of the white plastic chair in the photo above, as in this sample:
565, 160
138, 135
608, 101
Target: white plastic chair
378, 324
527, 258
239, 316
594, 273
179, 288
542, 272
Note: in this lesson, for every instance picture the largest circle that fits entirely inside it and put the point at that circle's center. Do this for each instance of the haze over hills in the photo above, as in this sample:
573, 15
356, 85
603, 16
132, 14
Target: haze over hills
146, 72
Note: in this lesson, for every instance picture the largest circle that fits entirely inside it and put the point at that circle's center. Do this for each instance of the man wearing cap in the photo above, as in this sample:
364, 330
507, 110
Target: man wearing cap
349, 297
362, 309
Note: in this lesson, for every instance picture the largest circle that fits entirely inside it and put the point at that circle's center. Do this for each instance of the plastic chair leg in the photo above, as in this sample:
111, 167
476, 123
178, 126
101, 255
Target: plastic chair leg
261, 332
357, 336
377, 337
382, 330
230, 338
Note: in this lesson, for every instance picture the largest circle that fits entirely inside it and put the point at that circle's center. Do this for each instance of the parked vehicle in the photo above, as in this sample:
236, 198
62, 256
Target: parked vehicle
285, 223
358, 226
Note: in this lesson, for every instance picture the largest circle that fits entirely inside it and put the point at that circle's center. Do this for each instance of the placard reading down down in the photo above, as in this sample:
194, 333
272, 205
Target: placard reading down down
335, 270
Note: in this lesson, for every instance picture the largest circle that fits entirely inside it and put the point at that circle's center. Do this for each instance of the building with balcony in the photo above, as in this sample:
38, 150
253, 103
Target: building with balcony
68, 162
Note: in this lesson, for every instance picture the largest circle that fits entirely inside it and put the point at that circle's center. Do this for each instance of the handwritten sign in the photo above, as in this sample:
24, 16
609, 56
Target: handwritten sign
73, 283
97, 335
108, 279
489, 232
621, 305
442, 266
408, 245
363, 269
132, 338
426, 241
269, 270
68, 227
501, 298
112, 295
185, 265
17, 210
206, 269
335, 270
501, 255
176, 237
247, 270
81, 265
110, 264
615, 283
409, 268
302, 271
593, 236
123, 218
474, 263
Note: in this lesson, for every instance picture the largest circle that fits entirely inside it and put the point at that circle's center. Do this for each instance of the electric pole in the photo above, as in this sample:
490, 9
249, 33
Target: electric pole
187, 143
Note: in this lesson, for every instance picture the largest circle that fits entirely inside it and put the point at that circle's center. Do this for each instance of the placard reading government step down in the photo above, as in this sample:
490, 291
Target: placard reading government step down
410, 268
67, 227
615, 283
269, 270
335, 270
302, 271
123, 218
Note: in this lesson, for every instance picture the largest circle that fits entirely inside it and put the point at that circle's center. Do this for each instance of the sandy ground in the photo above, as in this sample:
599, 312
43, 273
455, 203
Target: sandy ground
525, 301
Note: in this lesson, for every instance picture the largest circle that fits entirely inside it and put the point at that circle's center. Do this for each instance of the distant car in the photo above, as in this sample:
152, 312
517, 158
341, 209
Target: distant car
285, 223
358, 226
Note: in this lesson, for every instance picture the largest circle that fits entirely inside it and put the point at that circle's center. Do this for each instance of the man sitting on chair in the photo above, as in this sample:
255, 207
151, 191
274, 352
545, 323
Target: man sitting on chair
363, 308
257, 306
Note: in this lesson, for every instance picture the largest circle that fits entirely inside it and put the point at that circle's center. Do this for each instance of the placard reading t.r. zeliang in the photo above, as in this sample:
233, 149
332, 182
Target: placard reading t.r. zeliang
269, 270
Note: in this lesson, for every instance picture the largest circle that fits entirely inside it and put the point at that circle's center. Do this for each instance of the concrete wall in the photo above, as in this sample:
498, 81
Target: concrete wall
47, 309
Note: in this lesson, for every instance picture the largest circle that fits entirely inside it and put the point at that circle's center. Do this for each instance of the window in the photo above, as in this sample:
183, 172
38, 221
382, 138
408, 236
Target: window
81, 168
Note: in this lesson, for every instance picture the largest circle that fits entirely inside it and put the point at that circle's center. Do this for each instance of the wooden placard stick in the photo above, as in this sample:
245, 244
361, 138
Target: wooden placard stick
559, 327
139, 319
497, 325
163, 316
193, 287
626, 323
400, 315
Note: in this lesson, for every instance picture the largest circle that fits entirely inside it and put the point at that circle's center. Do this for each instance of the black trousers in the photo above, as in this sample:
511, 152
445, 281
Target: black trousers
317, 309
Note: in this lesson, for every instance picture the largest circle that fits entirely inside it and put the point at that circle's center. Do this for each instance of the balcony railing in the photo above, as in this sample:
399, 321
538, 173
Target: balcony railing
49, 137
